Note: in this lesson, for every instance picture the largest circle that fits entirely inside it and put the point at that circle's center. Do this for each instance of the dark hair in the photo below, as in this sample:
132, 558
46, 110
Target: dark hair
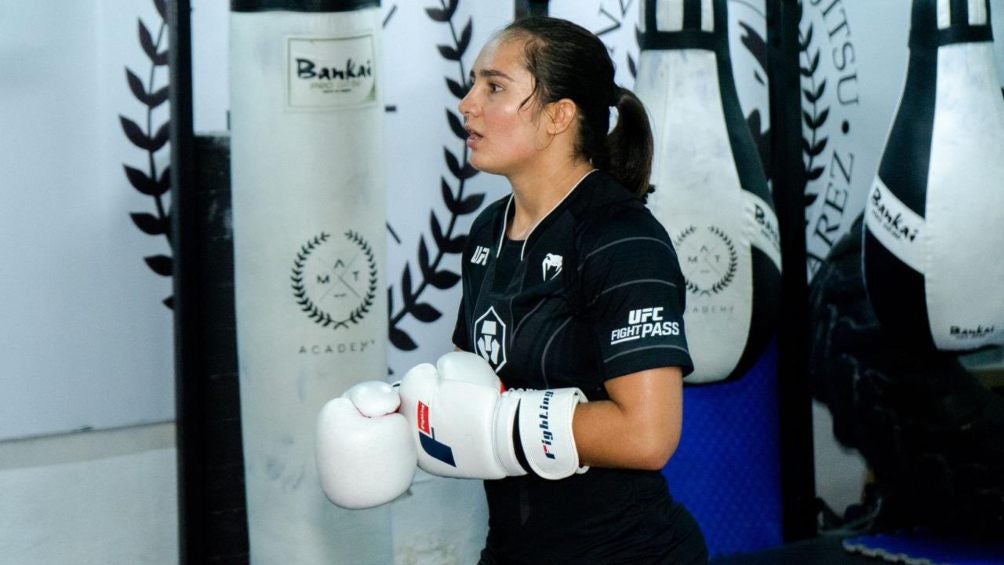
568, 61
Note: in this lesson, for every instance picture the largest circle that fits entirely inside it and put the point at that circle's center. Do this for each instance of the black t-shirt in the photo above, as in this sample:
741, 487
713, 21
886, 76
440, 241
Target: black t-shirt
594, 293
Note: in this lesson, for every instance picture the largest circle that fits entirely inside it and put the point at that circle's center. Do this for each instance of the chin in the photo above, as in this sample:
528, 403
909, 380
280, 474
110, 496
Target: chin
484, 167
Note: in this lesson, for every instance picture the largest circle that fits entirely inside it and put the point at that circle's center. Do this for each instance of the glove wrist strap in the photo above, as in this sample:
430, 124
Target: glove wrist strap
545, 431
505, 433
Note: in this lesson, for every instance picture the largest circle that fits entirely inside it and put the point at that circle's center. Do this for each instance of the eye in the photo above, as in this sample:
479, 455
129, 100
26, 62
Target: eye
494, 87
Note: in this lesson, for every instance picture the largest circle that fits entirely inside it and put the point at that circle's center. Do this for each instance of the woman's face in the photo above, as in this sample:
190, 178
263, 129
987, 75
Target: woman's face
505, 133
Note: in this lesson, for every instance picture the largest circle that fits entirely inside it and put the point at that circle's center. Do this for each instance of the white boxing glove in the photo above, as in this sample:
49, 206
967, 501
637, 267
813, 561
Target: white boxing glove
463, 422
365, 452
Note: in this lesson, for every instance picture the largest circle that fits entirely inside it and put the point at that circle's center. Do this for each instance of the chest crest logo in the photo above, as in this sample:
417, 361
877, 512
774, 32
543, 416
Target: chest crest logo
551, 266
490, 338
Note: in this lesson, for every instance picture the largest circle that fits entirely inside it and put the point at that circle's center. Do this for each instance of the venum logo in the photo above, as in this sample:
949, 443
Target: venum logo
490, 338
335, 281
551, 266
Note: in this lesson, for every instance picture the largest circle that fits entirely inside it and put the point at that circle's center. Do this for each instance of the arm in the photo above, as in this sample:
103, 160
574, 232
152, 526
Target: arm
639, 427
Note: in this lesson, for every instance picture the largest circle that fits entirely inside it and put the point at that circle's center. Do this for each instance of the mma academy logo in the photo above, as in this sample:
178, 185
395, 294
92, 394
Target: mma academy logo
490, 338
708, 258
335, 284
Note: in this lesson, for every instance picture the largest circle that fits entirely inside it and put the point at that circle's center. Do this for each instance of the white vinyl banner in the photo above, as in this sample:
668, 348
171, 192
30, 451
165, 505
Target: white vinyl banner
853, 58
309, 255
86, 340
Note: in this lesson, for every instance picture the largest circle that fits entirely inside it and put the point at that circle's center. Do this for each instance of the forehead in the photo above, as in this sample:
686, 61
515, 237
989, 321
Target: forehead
503, 54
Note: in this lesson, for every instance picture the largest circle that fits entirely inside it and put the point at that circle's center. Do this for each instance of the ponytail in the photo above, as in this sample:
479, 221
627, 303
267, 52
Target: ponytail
629, 146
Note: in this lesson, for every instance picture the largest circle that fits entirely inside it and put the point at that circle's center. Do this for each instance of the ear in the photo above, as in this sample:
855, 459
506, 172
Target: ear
561, 114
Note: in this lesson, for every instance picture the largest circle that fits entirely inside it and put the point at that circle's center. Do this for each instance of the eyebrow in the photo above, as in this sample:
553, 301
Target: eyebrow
491, 73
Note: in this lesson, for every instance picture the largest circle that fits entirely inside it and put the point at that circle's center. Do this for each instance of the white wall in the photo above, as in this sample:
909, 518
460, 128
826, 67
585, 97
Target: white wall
96, 498
86, 342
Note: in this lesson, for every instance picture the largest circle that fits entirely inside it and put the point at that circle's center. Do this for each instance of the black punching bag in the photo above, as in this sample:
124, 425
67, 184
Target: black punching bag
934, 216
711, 190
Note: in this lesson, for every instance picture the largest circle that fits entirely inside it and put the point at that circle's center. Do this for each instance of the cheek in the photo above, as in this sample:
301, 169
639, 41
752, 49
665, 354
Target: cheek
515, 132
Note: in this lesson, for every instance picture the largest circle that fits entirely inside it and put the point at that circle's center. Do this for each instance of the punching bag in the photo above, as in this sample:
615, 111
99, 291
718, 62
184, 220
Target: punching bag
934, 216
309, 252
710, 188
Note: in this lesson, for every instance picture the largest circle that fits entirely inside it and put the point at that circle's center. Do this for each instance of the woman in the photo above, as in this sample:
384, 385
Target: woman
570, 282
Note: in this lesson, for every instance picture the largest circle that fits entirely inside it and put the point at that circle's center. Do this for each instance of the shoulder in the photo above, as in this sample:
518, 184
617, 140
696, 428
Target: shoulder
488, 216
616, 218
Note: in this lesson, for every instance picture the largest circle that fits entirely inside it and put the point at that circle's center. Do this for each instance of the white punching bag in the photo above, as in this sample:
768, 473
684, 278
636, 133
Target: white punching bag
934, 216
309, 252
710, 188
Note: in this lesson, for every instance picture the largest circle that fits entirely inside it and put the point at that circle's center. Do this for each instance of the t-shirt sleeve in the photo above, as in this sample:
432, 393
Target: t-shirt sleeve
460, 333
635, 297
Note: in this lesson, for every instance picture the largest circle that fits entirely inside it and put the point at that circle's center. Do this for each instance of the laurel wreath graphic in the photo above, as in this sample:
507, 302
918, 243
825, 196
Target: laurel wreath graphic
448, 240
616, 18
300, 292
149, 181
729, 275
812, 114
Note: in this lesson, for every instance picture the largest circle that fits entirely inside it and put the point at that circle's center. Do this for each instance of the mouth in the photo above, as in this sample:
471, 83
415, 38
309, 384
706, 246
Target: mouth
472, 135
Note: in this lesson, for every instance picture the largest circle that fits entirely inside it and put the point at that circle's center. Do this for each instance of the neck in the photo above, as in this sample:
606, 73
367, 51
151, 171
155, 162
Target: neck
536, 194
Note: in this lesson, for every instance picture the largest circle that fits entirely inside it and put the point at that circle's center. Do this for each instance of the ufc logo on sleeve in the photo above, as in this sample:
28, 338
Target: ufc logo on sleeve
642, 323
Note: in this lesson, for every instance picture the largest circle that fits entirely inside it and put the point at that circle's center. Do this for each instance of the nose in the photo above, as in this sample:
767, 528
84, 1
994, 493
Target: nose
466, 105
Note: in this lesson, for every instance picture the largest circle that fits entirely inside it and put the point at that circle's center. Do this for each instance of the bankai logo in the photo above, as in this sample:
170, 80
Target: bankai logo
490, 338
642, 323
767, 227
307, 69
971, 333
890, 219
335, 283
709, 259
480, 255
551, 266
326, 72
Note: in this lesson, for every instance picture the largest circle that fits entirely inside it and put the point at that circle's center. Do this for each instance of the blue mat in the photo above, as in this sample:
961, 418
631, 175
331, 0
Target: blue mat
727, 469
924, 549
